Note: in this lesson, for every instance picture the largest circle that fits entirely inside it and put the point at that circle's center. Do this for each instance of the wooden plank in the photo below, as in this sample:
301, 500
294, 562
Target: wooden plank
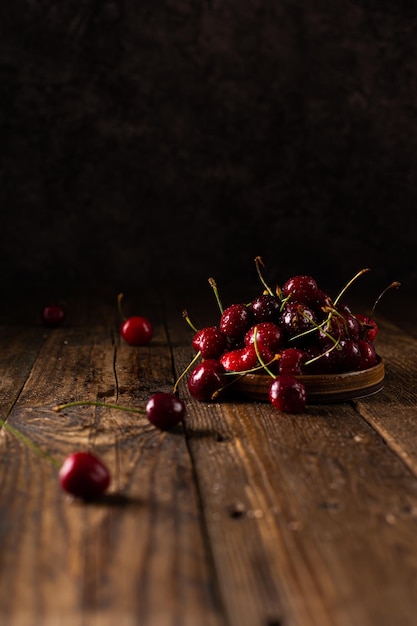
139, 556
311, 518
393, 412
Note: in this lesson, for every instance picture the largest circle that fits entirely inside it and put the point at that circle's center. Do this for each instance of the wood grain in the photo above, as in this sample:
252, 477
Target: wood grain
242, 516
139, 556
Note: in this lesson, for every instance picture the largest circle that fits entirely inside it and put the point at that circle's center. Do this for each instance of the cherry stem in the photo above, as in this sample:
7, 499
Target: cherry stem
261, 361
349, 283
258, 263
213, 285
189, 322
189, 366
238, 375
319, 356
108, 405
393, 285
119, 306
29, 443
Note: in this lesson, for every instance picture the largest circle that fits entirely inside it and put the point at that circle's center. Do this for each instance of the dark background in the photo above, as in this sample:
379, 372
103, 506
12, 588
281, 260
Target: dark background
166, 141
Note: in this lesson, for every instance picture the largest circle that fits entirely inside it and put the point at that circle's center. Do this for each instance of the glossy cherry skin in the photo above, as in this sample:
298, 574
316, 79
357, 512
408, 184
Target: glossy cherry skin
205, 379
137, 330
301, 289
235, 321
242, 359
84, 475
165, 410
265, 308
291, 361
53, 315
297, 318
267, 333
369, 327
368, 354
288, 394
210, 341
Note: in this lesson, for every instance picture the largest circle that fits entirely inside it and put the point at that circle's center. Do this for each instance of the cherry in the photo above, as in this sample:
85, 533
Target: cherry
288, 394
84, 475
291, 361
369, 328
368, 354
210, 341
205, 379
53, 315
267, 334
165, 410
265, 308
302, 289
297, 318
235, 320
348, 356
136, 330
242, 359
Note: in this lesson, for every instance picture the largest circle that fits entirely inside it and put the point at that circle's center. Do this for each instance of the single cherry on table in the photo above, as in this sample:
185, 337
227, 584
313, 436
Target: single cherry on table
136, 330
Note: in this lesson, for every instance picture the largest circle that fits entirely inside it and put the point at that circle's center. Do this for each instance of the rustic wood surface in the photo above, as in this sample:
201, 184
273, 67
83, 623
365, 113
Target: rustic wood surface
241, 516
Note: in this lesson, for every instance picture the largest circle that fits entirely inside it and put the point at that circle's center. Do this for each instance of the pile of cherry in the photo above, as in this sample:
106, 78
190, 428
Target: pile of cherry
295, 330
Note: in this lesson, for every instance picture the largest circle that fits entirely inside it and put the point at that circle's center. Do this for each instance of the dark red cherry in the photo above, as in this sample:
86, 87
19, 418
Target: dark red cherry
288, 394
165, 410
368, 354
265, 308
297, 318
84, 475
235, 320
205, 379
301, 289
369, 327
267, 333
210, 341
291, 361
348, 355
136, 330
53, 315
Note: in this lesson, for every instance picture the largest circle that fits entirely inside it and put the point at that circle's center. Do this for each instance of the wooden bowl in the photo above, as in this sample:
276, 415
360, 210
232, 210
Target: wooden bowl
321, 388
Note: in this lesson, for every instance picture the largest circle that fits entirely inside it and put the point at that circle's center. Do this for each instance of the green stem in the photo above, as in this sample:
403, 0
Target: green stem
259, 263
352, 280
261, 361
190, 364
213, 285
108, 405
29, 443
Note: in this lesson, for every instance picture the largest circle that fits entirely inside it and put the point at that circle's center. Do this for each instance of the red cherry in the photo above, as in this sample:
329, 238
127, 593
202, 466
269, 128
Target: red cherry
205, 379
302, 289
291, 361
235, 321
368, 354
288, 394
137, 330
210, 341
369, 327
84, 475
242, 359
265, 308
165, 410
267, 333
297, 318
53, 315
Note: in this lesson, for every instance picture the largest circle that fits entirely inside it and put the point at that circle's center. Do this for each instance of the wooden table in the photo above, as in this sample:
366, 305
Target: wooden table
241, 516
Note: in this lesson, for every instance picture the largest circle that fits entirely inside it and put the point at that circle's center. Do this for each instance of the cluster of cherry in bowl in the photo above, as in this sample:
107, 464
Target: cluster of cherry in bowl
295, 331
